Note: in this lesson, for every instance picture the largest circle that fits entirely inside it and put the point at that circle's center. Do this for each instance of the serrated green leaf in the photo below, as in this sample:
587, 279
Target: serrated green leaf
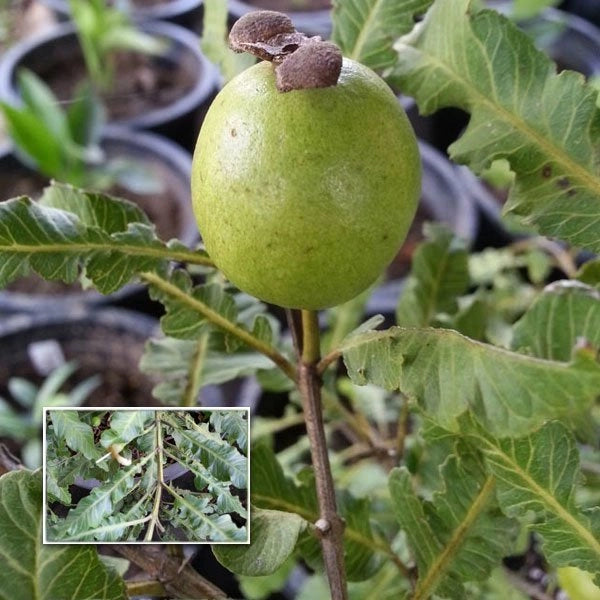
126, 425
365, 30
569, 312
203, 478
178, 363
231, 425
92, 510
181, 321
94, 209
538, 473
33, 571
223, 460
447, 373
198, 517
479, 61
274, 538
77, 434
457, 537
439, 275
56, 245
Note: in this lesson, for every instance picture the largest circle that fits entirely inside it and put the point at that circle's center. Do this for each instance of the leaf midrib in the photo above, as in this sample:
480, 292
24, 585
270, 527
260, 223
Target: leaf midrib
153, 252
362, 36
590, 180
552, 504
426, 586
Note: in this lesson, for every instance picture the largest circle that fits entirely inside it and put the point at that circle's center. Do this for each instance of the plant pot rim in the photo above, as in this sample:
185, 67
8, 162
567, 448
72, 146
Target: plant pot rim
172, 155
114, 318
205, 85
167, 10
313, 22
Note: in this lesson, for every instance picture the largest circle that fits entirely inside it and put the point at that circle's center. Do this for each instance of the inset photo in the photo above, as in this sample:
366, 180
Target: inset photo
146, 475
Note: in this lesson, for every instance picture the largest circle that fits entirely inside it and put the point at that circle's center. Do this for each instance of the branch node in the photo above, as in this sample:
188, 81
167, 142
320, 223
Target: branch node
323, 526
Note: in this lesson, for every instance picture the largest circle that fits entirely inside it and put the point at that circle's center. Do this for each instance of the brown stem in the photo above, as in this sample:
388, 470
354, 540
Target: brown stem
178, 582
330, 525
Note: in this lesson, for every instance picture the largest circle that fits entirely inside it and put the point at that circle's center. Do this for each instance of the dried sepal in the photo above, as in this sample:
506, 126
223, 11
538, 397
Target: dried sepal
301, 62
267, 34
316, 64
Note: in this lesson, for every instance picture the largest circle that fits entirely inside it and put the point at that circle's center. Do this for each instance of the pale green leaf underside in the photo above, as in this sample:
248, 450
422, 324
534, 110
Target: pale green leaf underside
439, 274
539, 473
460, 535
569, 312
32, 571
126, 425
274, 537
365, 30
77, 434
196, 515
446, 373
224, 461
546, 125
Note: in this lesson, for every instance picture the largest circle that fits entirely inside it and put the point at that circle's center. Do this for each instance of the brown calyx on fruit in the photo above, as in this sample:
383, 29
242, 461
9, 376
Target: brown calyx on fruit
300, 62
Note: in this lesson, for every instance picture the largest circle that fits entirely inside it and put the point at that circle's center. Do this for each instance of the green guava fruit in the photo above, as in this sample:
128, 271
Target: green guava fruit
303, 198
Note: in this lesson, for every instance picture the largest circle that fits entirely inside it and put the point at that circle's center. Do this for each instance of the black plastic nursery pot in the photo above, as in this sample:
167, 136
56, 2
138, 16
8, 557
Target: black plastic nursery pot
309, 16
444, 199
167, 94
171, 211
588, 9
107, 342
183, 12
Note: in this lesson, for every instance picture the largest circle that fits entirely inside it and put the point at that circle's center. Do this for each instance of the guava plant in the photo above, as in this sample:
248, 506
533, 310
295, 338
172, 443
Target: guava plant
136, 463
463, 435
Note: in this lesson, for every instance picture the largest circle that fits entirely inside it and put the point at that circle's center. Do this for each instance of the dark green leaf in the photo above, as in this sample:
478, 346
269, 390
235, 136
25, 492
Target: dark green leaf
479, 61
32, 571
274, 538
447, 373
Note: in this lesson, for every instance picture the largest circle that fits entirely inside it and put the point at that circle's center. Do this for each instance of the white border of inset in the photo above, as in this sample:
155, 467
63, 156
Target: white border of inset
46, 409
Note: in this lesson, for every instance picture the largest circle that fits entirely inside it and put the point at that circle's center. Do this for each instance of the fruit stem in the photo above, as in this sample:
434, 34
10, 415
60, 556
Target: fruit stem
330, 526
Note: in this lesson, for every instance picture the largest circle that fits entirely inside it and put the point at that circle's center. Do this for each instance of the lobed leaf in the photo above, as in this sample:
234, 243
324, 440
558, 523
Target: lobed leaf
547, 126
185, 366
57, 245
77, 434
538, 473
570, 313
231, 425
197, 516
224, 461
459, 535
447, 373
365, 30
92, 510
34, 571
439, 275
125, 426
203, 478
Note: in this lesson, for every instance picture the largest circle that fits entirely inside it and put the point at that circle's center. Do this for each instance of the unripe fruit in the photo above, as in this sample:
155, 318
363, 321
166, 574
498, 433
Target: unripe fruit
303, 198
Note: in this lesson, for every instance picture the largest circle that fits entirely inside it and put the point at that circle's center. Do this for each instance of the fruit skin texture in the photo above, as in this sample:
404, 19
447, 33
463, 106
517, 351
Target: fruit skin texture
303, 198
